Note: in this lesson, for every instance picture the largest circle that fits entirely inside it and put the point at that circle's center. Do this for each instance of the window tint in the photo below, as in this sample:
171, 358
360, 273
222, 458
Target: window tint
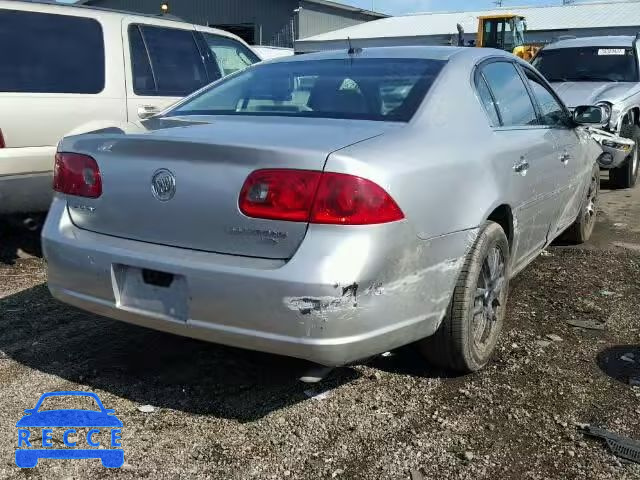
487, 101
176, 62
230, 55
50, 53
551, 111
143, 81
512, 98
368, 89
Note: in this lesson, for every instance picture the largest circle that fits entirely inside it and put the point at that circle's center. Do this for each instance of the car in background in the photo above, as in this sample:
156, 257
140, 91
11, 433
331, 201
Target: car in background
269, 53
329, 206
69, 69
603, 71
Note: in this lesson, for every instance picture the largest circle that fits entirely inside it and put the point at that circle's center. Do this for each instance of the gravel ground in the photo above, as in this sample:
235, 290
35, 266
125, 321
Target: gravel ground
219, 412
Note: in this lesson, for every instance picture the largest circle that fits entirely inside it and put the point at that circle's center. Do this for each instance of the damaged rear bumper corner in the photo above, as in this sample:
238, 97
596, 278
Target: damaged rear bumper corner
333, 303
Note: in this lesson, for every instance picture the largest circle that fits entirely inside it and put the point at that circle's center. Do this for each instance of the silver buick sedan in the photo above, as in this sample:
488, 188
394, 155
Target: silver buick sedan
330, 206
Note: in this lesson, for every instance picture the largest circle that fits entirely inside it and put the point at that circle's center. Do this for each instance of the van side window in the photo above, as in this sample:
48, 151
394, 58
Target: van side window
176, 63
143, 81
511, 95
229, 54
46, 53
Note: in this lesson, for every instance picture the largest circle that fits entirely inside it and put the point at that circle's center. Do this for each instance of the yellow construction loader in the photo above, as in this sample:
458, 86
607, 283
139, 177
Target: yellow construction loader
506, 32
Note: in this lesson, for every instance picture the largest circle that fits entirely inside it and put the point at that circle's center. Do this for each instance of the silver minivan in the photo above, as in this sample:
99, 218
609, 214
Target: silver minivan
69, 69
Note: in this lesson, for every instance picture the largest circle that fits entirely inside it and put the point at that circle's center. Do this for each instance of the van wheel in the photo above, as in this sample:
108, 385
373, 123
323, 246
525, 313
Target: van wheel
581, 230
469, 332
626, 175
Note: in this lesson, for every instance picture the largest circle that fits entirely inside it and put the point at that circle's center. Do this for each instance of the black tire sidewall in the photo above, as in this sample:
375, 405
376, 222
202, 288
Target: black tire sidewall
631, 132
491, 235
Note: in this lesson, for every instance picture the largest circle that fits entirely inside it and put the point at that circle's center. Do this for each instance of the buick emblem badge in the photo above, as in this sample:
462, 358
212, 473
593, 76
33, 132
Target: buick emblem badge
163, 185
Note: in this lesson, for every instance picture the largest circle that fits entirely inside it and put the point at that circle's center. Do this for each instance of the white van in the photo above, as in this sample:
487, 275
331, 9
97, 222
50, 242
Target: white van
69, 69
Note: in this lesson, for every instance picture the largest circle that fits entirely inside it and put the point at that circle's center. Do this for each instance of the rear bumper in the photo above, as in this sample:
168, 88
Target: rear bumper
26, 179
332, 303
26, 193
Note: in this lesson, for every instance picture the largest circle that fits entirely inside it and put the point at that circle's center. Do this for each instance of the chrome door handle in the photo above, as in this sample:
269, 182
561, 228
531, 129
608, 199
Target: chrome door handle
565, 157
521, 167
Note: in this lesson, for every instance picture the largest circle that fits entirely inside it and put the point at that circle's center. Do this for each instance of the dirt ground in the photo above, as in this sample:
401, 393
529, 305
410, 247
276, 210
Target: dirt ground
223, 413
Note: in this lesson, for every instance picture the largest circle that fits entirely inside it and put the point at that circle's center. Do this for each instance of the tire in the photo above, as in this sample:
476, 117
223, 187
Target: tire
581, 230
466, 340
626, 175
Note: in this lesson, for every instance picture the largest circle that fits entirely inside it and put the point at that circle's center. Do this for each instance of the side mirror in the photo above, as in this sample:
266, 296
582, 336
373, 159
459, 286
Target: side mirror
589, 115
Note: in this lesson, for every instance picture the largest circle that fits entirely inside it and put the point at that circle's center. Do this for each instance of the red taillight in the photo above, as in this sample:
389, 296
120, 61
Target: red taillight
2, 144
316, 197
349, 200
279, 194
76, 174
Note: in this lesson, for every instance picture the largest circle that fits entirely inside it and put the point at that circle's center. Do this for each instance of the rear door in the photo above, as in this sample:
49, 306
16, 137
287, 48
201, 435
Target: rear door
162, 66
527, 157
570, 158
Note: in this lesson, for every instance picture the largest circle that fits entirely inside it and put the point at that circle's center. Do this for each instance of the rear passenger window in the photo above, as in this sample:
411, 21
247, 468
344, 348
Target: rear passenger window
143, 81
487, 101
46, 53
177, 67
511, 95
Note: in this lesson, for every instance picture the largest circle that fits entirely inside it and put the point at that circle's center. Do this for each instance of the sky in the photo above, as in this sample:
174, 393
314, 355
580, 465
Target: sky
398, 7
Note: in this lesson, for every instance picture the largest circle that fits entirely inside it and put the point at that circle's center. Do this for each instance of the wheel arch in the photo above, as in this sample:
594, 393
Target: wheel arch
503, 216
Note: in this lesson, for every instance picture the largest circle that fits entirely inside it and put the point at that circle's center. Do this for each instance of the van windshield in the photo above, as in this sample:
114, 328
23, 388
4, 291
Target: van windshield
588, 64
385, 89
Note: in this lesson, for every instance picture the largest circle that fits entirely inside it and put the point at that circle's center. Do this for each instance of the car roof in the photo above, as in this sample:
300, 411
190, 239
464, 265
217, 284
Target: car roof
405, 51
603, 41
52, 6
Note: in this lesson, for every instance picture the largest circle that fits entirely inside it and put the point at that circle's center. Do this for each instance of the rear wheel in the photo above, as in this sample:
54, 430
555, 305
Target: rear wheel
582, 228
626, 175
468, 335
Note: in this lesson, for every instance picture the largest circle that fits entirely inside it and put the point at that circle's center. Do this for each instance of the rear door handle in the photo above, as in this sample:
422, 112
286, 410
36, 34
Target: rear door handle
522, 166
565, 157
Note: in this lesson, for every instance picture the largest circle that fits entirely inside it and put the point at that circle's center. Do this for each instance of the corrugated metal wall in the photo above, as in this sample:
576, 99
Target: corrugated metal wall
316, 19
530, 36
274, 20
271, 18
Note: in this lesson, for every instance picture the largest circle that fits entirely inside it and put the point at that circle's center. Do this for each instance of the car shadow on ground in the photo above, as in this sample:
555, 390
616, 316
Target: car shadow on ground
17, 241
150, 367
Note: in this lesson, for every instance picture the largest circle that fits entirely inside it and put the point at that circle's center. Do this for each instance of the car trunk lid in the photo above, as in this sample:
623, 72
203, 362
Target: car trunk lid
209, 164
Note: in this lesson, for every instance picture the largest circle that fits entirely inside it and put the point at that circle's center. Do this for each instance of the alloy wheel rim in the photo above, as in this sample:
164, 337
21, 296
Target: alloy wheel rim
488, 298
590, 207
634, 164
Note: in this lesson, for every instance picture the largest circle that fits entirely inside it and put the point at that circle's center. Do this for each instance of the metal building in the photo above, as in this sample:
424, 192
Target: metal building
544, 25
259, 22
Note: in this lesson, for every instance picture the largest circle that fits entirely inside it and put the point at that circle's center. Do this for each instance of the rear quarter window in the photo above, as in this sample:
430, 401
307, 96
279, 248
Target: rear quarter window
47, 53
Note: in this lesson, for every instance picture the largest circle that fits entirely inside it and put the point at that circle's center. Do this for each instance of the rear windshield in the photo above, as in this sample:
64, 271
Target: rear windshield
588, 64
386, 89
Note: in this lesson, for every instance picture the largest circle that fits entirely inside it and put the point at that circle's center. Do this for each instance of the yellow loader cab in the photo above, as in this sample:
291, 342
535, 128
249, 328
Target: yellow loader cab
505, 32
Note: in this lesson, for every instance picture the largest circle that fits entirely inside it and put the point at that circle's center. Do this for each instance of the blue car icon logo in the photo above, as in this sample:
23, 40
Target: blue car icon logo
100, 423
